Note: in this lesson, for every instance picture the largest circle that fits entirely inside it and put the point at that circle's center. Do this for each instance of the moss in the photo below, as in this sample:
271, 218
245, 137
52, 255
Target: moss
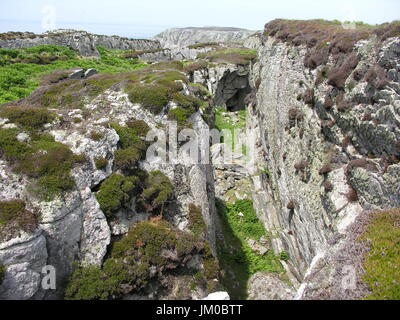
101, 163
2, 273
284, 256
115, 192
27, 117
382, 263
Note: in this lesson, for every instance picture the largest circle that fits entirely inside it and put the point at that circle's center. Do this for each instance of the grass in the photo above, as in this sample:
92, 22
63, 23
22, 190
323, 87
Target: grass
382, 263
28, 118
22, 70
237, 259
233, 56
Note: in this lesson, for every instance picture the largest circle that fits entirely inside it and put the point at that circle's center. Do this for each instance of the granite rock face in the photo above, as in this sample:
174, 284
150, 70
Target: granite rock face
183, 37
303, 208
83, 42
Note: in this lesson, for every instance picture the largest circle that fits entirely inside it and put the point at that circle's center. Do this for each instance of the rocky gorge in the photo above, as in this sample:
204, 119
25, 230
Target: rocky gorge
319, 171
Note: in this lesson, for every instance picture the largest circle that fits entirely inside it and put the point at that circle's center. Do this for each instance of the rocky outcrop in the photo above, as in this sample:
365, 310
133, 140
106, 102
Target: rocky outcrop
306, 199
83, 42
183, 37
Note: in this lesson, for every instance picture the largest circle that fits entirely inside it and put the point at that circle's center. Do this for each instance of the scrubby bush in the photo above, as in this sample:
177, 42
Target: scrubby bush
13, 214
196, 221
376, 76
128, 158
2, 273
328, 186
240, 56
325, 169
157, 189
101, 163
154, 98
115, 192
96, 136
27, 117
141, 128
290, 205
352, 195
295, 114
301, 166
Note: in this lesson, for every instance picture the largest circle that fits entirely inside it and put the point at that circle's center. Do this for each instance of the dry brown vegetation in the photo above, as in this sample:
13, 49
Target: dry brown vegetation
326, 37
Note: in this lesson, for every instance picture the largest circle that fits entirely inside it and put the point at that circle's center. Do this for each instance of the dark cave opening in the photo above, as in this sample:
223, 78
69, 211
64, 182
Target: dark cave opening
232, 91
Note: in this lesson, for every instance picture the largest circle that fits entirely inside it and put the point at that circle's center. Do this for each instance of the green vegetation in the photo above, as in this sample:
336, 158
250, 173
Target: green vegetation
141, 128
21, 70
128, 269
2, 273
157, 189
133, 148
101, 163
204, 45
28, 118
382, 262
41, 158
153, 88
15, 215
224, 119
235, 56
196, 222
238, 261
115, 192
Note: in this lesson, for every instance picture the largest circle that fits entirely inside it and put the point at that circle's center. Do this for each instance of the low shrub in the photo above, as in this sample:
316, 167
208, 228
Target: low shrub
154, 98
234, 56
352, 195
2, 273
196, 221
101, 163
141, 128
325, 169
27, 117
338, 76
96, 136
309, 97
290, 205
128, 158
115, 192
328, 186
13, 214
301, 166
157, 189
376, 76
295, 114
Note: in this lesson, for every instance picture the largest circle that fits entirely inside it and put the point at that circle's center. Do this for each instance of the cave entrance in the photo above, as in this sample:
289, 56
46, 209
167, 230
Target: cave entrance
232, 91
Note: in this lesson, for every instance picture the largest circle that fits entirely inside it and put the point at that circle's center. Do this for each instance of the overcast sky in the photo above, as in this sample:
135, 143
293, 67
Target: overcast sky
148, 17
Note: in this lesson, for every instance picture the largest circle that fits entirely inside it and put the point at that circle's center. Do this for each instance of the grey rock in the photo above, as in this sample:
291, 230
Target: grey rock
268, 286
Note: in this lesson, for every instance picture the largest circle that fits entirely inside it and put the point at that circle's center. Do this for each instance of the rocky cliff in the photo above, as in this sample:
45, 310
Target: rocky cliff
83, 42
322, 115
183, 37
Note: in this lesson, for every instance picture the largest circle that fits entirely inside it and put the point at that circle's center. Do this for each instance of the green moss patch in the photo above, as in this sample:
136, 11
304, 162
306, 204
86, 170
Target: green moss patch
157, 189
382, 263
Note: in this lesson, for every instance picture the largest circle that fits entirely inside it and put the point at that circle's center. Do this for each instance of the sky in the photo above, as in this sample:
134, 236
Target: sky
146, 18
